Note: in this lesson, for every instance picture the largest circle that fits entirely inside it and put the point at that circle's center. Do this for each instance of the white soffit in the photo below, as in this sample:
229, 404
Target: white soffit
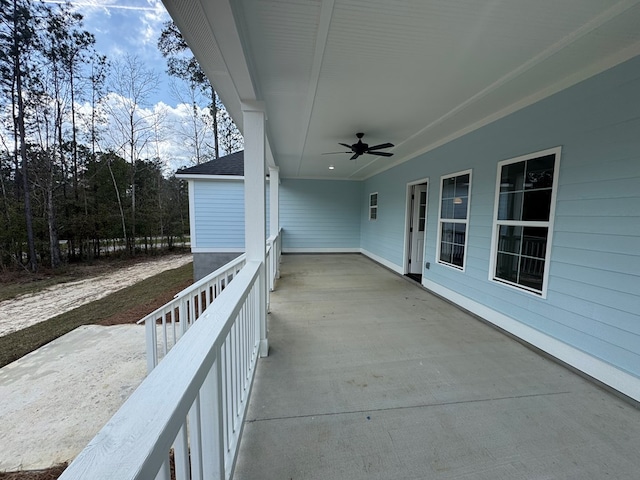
416, 73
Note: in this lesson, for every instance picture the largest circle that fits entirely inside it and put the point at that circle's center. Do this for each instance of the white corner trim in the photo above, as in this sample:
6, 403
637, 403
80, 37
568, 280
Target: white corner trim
592, 366
192, 213
382, 261
320, 250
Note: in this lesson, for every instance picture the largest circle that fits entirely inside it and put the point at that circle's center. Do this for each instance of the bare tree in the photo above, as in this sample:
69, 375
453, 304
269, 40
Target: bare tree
231, 140
195, 129
131, 122
182, 64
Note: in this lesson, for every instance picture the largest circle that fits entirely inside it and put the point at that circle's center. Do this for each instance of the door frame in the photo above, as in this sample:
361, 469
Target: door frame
407, 221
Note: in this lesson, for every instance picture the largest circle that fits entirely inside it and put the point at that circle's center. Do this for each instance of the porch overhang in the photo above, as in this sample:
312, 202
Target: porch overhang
417, 74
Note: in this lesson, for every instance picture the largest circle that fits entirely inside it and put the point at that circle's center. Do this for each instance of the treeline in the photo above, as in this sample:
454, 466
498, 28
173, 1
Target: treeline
100, 219
81, 144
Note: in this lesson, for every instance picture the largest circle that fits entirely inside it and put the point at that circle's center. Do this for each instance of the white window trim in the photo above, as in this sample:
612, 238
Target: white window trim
549, 225
372, 207
452, 220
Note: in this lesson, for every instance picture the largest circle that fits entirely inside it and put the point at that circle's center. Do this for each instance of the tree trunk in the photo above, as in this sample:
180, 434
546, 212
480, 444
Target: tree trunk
54, 244
115, 186
28, 213
214, 116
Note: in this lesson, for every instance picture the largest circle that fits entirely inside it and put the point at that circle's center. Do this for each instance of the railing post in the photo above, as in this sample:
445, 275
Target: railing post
253, 117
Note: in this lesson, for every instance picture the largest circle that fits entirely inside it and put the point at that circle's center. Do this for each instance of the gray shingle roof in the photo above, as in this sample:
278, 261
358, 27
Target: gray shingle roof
232, 164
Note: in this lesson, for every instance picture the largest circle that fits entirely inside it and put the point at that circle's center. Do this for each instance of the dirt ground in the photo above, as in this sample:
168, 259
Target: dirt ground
29, 309
67, 296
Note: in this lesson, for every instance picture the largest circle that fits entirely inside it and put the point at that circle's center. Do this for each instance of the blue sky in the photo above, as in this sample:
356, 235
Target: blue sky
132, 27
128, 26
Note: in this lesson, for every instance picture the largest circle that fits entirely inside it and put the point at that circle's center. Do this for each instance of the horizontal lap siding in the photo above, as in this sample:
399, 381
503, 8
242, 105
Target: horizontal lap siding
384, 236
593, 299
219, 214
317, 214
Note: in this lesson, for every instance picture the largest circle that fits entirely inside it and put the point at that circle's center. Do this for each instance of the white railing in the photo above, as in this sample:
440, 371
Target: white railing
272, 264
274, 251
188, 304
164, 326
194, 400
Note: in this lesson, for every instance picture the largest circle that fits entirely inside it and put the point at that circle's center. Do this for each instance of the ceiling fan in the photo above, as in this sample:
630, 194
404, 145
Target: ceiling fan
361, 148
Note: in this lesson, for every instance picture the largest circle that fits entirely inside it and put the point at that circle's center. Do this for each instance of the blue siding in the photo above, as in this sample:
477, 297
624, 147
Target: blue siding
317, 214
593, 295
219, 214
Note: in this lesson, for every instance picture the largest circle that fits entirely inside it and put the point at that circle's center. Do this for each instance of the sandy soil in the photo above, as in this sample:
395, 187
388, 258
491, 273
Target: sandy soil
26, 310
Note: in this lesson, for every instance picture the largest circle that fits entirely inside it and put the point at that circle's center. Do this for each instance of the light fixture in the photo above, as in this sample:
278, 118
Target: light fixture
331, 167
457, 201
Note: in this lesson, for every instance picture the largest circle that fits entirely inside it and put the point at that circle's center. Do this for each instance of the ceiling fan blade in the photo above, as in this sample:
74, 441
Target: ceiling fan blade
355, 155
382, 154
334, 153
345, 145
382, 145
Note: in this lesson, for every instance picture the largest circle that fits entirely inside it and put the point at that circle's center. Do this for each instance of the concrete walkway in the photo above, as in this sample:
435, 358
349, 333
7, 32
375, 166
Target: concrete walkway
54, 400
369, 376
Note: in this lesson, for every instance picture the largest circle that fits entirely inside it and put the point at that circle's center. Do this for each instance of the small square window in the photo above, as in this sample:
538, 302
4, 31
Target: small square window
373, 206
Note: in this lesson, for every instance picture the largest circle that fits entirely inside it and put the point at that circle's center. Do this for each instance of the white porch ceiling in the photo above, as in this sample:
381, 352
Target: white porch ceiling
416, 73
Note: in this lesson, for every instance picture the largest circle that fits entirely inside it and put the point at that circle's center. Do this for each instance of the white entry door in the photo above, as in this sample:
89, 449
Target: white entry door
417, 227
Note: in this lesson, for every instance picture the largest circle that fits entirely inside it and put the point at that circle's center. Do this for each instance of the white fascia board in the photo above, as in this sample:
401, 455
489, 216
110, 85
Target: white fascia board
227, 178
195, 176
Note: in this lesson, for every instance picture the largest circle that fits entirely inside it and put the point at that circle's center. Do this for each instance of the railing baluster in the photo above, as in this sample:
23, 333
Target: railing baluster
182, 314
192, 310
152, 343
211, 415
181, 454
234, 377
164, 334
241, 351
224, 382
164, 473
195, 440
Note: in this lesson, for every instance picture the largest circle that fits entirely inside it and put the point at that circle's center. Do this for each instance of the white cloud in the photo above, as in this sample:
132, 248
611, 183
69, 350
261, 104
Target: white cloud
152, 21
163, 131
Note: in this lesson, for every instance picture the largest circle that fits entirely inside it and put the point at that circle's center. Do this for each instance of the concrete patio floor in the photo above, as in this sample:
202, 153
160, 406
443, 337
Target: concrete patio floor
370, 376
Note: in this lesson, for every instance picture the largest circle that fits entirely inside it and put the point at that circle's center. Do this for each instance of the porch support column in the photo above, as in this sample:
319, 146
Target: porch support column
255, 241
274, 209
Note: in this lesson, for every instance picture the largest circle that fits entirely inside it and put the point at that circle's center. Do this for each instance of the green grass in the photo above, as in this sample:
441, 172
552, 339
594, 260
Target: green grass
17, 344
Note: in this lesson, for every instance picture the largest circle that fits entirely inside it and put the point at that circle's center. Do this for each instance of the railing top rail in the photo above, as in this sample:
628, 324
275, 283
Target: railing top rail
193, 287
211, 276
136, 440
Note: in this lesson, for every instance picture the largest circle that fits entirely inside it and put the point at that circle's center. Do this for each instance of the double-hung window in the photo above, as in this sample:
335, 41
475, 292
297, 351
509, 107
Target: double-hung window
454, 214
373, 206
523, 220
